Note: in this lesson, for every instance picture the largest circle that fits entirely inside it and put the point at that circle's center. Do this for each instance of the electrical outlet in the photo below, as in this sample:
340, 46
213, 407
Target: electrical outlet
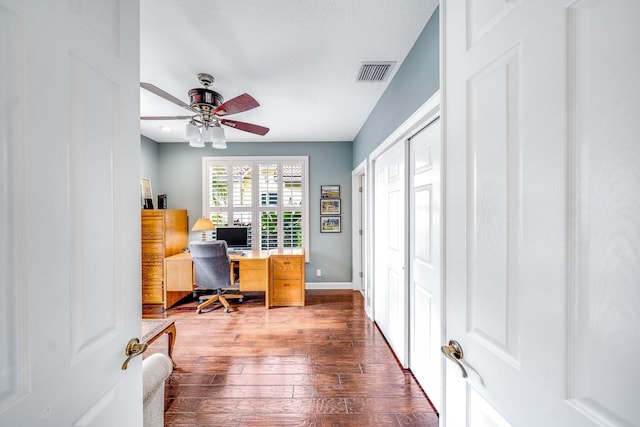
318, 272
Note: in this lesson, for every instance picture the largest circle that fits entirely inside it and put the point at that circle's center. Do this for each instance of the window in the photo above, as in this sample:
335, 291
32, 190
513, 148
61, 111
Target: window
266, 194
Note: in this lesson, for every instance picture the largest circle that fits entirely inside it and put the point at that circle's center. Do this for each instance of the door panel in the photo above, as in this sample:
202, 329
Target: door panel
494, 226
70, 260
542, 221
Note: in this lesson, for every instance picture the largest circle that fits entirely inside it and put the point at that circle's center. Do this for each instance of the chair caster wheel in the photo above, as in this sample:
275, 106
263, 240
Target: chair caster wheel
226, 310
240, 300
198, 311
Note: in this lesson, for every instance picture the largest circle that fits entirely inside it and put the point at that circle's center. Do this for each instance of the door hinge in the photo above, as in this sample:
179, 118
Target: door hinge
360, 232
360, 189
360, 274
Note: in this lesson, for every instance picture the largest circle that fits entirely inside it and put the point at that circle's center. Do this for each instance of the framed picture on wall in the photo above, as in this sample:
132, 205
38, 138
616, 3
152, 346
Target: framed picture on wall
330, 207
146, 195
330, 224
329, 191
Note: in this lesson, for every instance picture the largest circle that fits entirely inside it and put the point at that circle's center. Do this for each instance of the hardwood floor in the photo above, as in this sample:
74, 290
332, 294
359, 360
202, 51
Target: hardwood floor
324, 364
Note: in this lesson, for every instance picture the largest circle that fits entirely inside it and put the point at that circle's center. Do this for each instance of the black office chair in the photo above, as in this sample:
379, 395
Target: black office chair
214, 271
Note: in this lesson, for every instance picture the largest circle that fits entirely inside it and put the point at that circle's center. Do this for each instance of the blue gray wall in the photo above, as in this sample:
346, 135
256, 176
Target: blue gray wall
417, 79
179, 175
149, 158
176, 169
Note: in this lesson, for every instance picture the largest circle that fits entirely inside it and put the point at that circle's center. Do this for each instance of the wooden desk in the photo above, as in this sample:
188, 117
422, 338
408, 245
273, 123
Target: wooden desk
180, 274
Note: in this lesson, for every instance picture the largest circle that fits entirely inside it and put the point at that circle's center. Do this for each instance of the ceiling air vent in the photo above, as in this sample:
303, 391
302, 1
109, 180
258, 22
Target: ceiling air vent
375, 71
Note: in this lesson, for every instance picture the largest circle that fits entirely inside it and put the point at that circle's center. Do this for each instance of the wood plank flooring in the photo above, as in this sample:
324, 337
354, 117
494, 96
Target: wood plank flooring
325, 364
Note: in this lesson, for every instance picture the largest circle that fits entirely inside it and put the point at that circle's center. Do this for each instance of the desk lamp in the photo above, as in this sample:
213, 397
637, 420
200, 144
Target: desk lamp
203, 224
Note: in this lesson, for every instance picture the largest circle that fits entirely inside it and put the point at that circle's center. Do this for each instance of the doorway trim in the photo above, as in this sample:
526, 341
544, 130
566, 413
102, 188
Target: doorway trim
422, 117
359, 236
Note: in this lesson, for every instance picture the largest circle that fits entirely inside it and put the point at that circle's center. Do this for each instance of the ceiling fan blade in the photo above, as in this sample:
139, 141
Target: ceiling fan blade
247, 127
165, 117
162, 94
238, 104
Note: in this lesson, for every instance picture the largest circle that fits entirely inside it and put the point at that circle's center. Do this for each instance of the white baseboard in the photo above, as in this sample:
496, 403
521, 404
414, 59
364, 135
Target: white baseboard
329, 285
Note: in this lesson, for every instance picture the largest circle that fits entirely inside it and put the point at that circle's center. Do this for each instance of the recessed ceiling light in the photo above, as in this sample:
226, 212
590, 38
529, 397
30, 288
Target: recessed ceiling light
166, 129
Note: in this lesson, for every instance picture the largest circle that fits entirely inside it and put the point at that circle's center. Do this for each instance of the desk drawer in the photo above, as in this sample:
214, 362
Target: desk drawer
179, 276
253, 280
286, 291
286, 267
253, 264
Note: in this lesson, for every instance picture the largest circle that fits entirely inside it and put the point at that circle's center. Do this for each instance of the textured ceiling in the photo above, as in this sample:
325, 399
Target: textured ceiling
298, 58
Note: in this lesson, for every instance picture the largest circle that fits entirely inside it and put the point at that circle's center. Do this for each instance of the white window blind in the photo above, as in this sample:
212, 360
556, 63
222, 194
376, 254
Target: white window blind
266, 194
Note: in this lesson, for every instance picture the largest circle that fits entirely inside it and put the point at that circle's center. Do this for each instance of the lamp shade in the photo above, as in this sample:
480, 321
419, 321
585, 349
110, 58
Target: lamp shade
220, 145
217, 134
197, 143
207, 134
203, 224
191, 132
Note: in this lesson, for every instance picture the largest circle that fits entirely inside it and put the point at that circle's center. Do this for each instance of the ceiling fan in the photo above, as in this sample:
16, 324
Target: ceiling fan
208, 107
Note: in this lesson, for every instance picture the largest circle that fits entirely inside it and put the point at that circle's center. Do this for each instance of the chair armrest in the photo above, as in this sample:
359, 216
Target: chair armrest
155, 370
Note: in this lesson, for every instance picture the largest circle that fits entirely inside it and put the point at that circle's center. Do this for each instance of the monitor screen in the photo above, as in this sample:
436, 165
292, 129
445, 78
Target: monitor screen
236, 237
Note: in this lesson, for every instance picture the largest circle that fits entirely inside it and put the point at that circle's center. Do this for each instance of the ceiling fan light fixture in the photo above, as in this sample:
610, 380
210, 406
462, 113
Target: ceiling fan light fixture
207, 134
219, 145
196, 143
191, 131
217, 134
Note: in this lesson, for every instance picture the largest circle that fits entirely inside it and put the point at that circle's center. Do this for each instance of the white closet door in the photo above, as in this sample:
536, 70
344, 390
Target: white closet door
389, 249
425, 260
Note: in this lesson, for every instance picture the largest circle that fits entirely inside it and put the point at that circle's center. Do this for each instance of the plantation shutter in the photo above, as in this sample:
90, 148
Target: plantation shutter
273, 190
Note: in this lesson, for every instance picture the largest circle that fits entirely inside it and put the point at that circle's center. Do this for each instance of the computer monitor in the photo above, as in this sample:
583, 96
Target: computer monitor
236, 237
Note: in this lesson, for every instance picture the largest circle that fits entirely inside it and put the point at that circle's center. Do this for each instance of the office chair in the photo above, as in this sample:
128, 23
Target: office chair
214, 271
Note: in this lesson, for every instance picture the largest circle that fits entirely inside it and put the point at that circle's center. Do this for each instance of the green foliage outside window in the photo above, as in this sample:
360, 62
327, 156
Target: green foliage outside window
280, 185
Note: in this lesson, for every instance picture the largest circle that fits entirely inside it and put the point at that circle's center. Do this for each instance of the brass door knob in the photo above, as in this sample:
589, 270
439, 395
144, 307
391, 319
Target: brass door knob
134, 348
453, 352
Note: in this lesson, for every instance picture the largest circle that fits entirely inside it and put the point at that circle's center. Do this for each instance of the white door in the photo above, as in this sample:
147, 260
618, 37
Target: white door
425, 261
390, 294
540, 107
70, 224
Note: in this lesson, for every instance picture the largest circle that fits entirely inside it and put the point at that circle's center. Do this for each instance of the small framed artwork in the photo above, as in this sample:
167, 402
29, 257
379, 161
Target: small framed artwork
330, 224
330, 207
329, 191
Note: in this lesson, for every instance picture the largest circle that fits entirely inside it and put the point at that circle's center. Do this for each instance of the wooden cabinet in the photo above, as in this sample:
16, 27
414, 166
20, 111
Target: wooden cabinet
286, 279
163, 233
